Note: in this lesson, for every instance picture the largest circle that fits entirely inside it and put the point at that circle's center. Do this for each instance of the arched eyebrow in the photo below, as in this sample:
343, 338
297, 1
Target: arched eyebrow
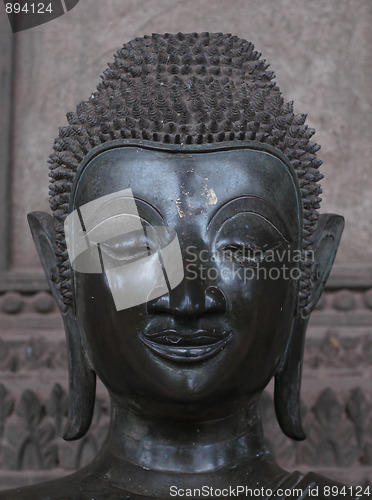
100, 210
253, 204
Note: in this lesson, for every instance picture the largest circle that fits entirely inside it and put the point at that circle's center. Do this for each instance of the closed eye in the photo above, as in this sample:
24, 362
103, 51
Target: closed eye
128, 247
247, 238
245, 254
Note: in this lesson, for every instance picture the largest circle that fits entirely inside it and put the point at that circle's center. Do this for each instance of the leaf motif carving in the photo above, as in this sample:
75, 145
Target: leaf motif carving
358, 409
327, 409
30, 408
57, 406
6, 407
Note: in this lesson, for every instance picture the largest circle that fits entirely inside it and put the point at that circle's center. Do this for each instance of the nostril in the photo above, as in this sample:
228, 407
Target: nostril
161, 304
215, 300
181, 301
187, 301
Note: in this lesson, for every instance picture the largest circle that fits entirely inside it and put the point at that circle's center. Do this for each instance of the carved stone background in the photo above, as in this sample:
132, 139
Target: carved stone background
320, 51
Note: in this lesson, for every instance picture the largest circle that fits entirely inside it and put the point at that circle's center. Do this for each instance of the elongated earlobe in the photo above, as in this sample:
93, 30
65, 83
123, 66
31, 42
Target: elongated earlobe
82, 379
287, 393
82, 382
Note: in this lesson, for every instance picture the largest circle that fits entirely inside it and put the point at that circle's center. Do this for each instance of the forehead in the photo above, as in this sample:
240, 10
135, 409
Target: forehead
191, 186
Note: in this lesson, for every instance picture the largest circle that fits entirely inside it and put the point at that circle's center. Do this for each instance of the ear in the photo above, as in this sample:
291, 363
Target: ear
326, 241
82, 379
43, 234
287, 393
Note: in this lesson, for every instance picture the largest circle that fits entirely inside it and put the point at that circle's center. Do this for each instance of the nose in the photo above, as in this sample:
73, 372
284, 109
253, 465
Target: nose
189, 299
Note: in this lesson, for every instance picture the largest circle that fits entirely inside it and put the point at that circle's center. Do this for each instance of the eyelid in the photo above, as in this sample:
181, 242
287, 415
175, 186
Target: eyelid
128, 252
254, 205
133, 240
260, 216
153, 237
114, 226
104, 207
100, 208
249, 246
131, 202
272, 225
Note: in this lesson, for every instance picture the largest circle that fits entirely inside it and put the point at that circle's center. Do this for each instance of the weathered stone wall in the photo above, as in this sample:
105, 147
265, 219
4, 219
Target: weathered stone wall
320, 51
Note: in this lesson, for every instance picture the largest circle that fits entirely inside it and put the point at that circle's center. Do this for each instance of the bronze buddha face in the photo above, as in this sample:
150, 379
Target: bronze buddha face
209, 134
188, 314
206, 339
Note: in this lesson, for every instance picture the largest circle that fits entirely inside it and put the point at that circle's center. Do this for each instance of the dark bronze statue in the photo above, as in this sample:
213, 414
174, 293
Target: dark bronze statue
186, 253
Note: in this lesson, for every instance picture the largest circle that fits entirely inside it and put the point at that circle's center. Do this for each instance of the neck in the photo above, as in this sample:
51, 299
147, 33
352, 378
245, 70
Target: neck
191, 447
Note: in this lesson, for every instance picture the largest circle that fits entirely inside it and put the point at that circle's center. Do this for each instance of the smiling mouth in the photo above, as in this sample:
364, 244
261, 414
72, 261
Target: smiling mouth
182, 347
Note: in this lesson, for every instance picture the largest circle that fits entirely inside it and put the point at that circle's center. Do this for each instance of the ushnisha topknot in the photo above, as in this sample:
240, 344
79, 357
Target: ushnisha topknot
185, 89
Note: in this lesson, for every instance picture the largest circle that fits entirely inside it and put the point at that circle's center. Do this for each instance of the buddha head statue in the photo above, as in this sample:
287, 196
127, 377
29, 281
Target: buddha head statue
185, 249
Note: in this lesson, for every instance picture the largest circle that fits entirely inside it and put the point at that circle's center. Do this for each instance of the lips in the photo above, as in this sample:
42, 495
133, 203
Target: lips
186, 347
